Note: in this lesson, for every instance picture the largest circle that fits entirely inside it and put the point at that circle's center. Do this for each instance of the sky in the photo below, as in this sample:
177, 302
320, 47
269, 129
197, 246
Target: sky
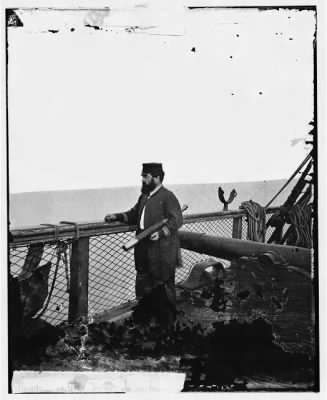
216, 95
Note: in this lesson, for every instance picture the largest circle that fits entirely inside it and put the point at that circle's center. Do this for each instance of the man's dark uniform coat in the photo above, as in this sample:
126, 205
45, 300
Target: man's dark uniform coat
155, 261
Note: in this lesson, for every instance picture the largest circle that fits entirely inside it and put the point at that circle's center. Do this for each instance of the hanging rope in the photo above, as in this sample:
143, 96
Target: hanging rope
301, 221
256, 215
65, 260
299, 233
61, 249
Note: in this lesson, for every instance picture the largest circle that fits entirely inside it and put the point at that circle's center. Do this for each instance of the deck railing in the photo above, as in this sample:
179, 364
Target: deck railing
90, 272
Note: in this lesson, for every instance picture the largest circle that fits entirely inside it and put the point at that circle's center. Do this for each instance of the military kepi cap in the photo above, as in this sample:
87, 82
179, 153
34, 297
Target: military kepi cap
154, 169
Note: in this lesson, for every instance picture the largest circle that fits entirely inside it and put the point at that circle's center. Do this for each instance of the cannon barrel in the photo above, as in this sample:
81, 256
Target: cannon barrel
229, 249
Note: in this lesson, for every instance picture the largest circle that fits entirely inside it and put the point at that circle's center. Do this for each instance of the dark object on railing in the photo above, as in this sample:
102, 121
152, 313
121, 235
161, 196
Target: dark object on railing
221, 196
231, 249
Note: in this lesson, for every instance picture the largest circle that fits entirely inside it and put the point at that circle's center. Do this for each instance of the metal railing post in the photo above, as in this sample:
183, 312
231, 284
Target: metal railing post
79, 279
237, 228
236, 233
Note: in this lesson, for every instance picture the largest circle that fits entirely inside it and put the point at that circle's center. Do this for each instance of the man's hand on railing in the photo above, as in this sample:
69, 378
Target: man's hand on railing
110, 218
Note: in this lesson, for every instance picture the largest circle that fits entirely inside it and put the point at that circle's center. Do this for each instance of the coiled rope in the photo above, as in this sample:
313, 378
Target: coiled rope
301, 220
298, 215
299, 233
256, 215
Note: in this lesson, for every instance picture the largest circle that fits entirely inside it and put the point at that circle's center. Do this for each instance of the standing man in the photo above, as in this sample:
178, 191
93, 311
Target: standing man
156, 257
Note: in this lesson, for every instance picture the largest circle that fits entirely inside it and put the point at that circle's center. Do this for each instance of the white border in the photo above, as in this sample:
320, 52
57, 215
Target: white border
321, 66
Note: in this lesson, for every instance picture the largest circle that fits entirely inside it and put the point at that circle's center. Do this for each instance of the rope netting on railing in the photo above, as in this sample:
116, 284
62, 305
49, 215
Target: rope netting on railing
57, 309
111, 269
111, 272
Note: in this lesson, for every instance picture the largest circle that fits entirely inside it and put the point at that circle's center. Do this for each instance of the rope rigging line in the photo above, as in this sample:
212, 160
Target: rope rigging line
256, 221
290, 179
299, 233
61, 249
65, 260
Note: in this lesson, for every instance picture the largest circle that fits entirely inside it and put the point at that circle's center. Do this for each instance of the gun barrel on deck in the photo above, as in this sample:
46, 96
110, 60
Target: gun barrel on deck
229, 249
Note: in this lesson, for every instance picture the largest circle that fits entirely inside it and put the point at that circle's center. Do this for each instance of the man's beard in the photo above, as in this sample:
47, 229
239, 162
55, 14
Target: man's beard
146, 189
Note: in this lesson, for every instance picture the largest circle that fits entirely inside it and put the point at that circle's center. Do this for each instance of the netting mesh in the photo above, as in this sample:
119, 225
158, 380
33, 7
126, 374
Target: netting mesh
111, 272
111, 269
57, 309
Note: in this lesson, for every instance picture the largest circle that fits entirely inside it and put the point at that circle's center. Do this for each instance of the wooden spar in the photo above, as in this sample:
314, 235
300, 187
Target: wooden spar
228, 248
79, 279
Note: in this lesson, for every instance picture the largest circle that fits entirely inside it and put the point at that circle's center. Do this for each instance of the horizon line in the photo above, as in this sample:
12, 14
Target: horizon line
136, 186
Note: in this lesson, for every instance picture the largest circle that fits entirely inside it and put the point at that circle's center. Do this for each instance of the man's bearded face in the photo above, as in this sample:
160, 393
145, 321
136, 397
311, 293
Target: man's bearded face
148, 184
